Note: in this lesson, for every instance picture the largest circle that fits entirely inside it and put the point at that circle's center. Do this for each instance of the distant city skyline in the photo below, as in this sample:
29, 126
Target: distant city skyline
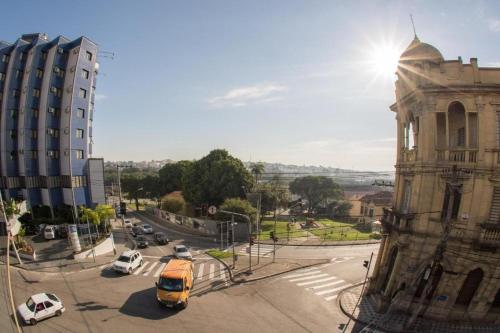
295, 82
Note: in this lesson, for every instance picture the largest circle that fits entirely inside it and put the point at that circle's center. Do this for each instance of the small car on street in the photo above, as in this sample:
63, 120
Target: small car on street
40, 306
181, 252
142, 242
127, 223
136, 231
160, 238
128, 261
147, 228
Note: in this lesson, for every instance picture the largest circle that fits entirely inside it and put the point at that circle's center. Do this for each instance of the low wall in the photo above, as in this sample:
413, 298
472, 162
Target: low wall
24, 255
104, 247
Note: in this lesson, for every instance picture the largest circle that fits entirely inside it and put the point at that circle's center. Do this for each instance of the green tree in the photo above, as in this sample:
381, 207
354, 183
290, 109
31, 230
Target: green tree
237, 205
214, 178
104, 213
171, 176
316, 190
133, 186
257, 169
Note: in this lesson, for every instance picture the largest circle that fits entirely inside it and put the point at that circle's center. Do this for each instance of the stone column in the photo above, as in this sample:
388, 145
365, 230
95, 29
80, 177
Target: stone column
395, 271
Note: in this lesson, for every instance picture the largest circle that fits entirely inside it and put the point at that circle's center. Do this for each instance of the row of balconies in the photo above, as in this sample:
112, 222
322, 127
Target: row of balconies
455, 155
488, 234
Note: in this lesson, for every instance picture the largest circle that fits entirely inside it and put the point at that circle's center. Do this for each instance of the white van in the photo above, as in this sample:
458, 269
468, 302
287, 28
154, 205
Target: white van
49, 232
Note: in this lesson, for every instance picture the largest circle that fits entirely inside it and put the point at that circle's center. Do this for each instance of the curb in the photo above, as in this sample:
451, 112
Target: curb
177, 227
356, 320
337, 244
231, 276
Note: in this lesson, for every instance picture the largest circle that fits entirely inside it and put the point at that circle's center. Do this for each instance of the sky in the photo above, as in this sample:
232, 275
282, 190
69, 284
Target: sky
295, 82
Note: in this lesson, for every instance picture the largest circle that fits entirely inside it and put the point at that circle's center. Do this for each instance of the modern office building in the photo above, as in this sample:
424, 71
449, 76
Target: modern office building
46, 111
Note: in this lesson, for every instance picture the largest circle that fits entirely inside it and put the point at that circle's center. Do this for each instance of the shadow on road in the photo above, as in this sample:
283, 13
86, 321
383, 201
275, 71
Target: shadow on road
91, 306
143, 304
110, 273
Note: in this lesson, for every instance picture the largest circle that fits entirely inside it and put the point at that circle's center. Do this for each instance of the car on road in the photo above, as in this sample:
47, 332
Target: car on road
127, 223
40, 306
128, 261
160, 238
175, 284
181, 252
50, 232
142, 242
136, 231
147, 228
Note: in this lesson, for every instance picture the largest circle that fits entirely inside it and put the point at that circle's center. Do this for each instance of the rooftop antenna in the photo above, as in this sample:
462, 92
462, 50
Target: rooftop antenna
413, 25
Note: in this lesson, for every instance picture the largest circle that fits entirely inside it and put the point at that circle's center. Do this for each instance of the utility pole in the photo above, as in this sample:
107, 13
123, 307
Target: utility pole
453, 186
247, 218
232, 234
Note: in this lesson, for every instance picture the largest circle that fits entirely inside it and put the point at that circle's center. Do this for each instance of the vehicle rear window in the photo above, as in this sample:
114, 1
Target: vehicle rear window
52, 297
181, 249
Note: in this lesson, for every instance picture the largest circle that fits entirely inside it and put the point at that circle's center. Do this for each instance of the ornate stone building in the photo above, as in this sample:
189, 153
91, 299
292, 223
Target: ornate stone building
440, 254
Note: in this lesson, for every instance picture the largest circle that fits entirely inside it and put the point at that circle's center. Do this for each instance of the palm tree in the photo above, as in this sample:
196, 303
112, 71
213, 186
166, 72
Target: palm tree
257, 170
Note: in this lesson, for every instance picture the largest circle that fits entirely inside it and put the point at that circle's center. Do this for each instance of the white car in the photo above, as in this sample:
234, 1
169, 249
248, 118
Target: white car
181, 252
127, 223
40, 306
128, 261
147, 229
49, 232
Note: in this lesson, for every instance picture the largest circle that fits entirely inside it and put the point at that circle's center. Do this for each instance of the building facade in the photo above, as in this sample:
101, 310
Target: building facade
440, 253
46, 111
372, 206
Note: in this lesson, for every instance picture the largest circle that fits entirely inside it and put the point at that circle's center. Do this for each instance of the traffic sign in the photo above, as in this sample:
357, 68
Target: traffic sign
212, 210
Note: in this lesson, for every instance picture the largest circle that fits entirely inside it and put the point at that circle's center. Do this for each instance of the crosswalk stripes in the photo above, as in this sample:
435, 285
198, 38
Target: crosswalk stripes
200, 272
159, 270
317, 281
264, 251
222, 271
138, 270
150, 268
211, 274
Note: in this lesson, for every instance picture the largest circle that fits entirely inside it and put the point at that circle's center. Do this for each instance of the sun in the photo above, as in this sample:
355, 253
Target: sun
385, 59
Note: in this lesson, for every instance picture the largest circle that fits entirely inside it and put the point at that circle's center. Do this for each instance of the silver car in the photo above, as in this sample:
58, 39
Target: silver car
181, 252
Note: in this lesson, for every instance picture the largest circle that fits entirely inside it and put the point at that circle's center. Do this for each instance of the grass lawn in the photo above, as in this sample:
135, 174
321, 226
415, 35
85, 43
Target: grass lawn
281, 230
334, 230
219, 254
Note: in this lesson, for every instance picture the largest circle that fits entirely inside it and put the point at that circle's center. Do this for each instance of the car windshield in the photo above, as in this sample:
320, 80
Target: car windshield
31, 305
124, 259
170, 284
147, 226
181, 249
141, 239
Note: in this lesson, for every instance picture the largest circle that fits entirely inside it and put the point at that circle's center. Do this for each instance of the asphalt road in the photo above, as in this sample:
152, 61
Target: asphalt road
100, 300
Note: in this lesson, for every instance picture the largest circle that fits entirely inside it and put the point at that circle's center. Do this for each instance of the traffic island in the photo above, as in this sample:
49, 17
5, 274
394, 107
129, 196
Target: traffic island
263, 267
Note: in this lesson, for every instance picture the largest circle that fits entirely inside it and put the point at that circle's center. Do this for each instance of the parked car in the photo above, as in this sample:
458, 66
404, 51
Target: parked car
142, 242
160, 238
127, 223
128, 261
50, 232
147, 228
181, 252
40, 306
136, 231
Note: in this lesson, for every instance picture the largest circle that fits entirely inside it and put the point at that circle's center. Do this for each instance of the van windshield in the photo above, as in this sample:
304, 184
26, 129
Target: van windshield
170, 284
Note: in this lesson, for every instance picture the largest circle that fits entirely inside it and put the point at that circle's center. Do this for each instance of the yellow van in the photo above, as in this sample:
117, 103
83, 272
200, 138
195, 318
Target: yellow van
175, 284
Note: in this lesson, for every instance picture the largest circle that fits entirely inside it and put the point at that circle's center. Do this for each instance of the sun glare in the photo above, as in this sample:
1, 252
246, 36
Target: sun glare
385, 59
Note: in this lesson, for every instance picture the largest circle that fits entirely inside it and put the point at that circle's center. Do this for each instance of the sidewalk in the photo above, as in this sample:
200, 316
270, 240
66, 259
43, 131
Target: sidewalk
304, 241
365, 315
66, 264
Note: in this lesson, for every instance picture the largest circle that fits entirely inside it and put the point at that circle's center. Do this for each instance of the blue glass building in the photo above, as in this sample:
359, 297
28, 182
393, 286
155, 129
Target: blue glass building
46, 110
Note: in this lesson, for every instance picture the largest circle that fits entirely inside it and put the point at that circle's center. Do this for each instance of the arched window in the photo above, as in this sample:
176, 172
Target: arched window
469, 287
456, 124
495, 306
392, 261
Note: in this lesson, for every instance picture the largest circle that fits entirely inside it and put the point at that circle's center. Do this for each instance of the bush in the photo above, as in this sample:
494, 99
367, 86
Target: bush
375, 235
173, 204
237, 205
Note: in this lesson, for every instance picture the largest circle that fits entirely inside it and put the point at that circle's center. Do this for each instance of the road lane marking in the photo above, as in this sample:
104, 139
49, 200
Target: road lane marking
316, 281
329, 298
211, 274
154, 257
329, 291
159, 270
326, 285
301, 274
222, 271
309, 277
200, 271
141, 268
150, 269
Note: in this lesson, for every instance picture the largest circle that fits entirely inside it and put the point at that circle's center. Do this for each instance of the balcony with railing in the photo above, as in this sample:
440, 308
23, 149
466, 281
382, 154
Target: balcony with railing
490, 234
457, 155
409, 155
397, 221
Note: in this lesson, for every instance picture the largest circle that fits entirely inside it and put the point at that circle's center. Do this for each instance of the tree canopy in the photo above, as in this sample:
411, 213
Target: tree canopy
214, 178
316, 190
172, 175
237, 205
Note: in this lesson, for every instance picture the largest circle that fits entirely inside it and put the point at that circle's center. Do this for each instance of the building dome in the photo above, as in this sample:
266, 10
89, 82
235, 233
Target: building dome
418, 51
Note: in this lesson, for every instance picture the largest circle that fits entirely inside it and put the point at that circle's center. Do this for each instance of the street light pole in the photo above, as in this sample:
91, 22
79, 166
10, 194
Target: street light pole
246, 217
232, 239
